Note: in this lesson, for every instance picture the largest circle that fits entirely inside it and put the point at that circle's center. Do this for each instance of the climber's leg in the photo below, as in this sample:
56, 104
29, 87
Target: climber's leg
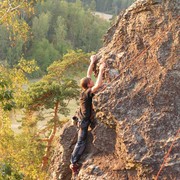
80, 145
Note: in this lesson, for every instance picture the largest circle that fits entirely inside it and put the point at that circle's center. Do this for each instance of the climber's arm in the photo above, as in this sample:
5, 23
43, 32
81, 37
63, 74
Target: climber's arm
90, 68
99, 79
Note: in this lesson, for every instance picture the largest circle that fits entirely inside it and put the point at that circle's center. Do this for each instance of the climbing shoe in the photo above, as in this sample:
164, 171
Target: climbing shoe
75, 168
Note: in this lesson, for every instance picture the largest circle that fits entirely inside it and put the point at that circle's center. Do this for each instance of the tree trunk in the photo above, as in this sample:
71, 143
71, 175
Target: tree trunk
50, 139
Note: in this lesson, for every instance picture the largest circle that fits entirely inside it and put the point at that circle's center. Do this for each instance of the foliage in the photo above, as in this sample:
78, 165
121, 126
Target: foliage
45, 34
53, 94
6, 93
60, 41
53, 29
11, 81
10, 45
12, 14
44, 94
68, 66
20, 153
56, 86
7, 172
14, 28
74, 24
44, 53
41, 26
46, 30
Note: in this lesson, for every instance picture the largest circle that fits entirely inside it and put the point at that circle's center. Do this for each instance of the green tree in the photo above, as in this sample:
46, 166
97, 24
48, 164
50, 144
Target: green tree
40, 26
6, 92
8, 172
62, 44
55, 27
85, 31
11, 46
44, 53
14, 52
71, 23
53, 93
4, 42
21, 154
12, 14
12, 80
93, 5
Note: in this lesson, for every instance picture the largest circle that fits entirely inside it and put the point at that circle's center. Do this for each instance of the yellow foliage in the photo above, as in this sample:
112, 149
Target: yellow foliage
10, 10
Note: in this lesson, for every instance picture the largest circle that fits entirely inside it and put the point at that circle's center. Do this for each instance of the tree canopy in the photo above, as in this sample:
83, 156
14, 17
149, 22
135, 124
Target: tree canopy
52, 28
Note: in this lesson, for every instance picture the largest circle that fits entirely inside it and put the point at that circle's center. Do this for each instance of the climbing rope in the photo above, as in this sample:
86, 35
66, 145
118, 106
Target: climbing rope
167, 155
142, 52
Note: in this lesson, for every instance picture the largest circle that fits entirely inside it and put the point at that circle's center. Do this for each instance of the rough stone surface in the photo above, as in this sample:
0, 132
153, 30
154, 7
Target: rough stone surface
139, 107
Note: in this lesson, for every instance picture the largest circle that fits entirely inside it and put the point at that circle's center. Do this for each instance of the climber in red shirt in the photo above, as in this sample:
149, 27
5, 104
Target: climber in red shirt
85, 111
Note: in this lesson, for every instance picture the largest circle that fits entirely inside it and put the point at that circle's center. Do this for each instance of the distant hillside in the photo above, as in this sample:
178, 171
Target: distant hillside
106, 6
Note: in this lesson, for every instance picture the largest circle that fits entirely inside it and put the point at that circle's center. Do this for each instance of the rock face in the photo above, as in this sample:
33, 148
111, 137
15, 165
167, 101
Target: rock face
139, 107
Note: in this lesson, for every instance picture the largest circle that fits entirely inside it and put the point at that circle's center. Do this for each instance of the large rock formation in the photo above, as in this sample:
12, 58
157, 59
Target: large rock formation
139, 107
